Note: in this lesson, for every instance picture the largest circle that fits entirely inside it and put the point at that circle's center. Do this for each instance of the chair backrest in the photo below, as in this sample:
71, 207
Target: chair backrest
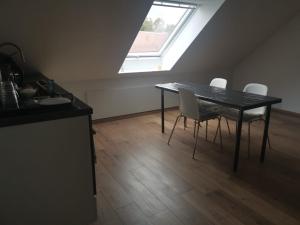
219, 82
188, 104
259, 89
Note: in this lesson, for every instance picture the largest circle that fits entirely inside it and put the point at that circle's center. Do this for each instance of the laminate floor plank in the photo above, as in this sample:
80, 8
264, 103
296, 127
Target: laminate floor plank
145, 200
142, 180
165, 218
211, 209
106, 214
112, 190
255, 170
132, 215
245, 214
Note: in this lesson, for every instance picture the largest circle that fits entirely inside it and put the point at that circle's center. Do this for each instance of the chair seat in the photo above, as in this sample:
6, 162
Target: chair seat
206, 114
210, 106
233, 114
205, 103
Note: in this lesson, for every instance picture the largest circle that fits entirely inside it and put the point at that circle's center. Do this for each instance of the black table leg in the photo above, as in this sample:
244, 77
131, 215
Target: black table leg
238, 140
266, 132
162, 110
93, 155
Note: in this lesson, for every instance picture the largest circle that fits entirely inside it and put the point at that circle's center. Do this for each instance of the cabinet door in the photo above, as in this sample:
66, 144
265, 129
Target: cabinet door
46, 173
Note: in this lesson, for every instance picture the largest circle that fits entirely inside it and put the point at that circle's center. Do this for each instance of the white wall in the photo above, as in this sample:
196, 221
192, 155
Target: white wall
131, 94
235, 30
276, 63
82, 44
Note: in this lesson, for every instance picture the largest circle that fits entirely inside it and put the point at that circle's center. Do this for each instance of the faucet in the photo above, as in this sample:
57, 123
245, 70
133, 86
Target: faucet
16, 47
19, 50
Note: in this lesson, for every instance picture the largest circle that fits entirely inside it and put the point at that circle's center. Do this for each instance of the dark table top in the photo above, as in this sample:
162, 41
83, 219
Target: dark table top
227, 97
30, 113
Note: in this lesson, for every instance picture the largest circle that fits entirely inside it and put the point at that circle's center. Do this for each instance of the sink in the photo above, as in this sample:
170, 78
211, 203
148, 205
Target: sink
43, 96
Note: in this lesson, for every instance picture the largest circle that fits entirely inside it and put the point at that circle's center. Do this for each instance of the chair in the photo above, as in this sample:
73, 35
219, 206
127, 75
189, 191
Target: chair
251, 115
219, 83
189, 108
216, 82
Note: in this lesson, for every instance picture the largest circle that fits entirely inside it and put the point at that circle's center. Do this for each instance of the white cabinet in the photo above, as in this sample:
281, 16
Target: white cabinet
46, 173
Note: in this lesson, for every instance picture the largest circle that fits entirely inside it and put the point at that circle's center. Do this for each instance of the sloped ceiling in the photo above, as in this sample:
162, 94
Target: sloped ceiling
82, 40
234, 32
73, 39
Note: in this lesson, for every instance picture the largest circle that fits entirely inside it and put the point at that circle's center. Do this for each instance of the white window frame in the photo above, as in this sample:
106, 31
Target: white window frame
190, 9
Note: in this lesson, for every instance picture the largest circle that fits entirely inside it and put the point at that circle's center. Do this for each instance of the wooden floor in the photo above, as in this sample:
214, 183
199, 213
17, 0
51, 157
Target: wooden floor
142, 180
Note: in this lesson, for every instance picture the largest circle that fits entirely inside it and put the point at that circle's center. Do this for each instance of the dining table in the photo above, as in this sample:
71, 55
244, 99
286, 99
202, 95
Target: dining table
241, 101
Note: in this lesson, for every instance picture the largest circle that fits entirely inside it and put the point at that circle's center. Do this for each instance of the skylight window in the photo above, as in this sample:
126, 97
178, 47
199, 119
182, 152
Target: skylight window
167, 31
159, 27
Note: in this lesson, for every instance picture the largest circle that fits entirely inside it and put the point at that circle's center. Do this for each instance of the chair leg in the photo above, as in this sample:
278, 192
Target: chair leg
173, 128
228, 126
249, 136
268, 138
195, 124
196, 141
220, 132
269, 143
184, 123
216, 134
206, 128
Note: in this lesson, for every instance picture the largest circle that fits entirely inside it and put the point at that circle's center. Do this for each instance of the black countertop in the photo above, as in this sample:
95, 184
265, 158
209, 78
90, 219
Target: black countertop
30, 113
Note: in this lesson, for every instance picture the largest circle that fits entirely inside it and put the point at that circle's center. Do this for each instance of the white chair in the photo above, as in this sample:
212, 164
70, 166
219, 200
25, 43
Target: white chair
189, 108
219, 83
216, 82
251, 115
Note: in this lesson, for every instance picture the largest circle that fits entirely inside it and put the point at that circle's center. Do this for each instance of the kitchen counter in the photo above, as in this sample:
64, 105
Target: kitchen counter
33, 113
47, 162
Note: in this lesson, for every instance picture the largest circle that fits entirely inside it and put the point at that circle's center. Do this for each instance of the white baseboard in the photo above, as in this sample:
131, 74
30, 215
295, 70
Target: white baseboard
111, 102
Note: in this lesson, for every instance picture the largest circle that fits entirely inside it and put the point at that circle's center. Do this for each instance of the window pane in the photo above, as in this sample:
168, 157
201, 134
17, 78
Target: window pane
157, 28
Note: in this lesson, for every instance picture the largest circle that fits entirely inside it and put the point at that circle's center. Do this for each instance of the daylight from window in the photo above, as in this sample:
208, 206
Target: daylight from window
157, 29
167, 31
160, 29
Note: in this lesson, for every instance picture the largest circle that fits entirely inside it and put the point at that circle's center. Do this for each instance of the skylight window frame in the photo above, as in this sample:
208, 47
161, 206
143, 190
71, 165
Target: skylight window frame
174, 33
175, 4
188, 32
